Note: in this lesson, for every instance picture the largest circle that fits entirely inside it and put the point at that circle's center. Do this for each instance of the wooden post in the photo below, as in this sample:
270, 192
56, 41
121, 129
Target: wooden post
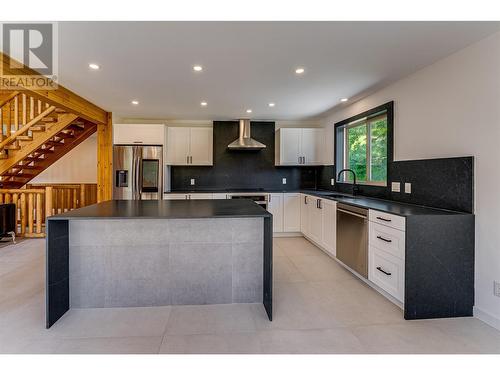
82, 196
39, 213
23, 213
48, 202
30, 213
105, 160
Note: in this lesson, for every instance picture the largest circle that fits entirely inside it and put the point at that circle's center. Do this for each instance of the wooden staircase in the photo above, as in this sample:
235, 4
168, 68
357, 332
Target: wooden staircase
35, 134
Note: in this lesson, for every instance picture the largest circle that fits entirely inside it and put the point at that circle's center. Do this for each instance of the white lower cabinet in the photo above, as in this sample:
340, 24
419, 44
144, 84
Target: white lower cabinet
305, 223
219, 196
275, 207
316, 220
291, 212
201, 196
386, 253
329, 239
387, 272
177, 196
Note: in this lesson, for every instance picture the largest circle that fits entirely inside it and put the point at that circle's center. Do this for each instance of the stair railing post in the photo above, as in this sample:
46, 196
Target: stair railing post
48, 203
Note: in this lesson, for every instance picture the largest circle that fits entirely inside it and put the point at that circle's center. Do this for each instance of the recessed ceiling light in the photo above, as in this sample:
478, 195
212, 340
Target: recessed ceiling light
197, 68
135, 102
271, 104
203, 104
94, 66
249, 111
344, 99
299, 70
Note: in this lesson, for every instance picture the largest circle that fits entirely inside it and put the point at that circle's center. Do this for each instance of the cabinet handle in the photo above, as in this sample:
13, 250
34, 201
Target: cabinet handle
269, 198
384, 272
190, 160
187, 159
383, 239
384, 219
303, 159
318, 204
305, 199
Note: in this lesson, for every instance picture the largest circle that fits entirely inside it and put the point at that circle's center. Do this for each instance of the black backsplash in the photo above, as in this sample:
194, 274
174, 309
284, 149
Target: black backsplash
442, 183
243, 169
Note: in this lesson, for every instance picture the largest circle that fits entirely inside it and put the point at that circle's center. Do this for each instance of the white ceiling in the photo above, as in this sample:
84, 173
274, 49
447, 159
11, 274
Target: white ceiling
247, 64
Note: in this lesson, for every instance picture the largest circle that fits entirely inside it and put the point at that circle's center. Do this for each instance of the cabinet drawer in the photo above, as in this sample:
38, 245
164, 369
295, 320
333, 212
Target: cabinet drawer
388, 239
393, 221
387, 272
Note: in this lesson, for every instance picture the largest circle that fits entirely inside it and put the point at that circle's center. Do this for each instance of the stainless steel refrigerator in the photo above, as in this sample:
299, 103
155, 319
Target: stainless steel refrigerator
137, 172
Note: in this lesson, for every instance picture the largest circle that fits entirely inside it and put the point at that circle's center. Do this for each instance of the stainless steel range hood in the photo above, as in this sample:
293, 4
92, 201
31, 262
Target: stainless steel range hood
245, 142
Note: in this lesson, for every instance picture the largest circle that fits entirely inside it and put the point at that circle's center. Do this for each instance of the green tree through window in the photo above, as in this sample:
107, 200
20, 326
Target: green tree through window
365, 149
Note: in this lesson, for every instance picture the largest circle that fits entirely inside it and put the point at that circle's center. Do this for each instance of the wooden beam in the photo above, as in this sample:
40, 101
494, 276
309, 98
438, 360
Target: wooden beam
105, 160
60, 97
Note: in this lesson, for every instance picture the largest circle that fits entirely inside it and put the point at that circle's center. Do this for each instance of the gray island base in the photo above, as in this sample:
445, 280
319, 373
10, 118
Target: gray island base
157, 253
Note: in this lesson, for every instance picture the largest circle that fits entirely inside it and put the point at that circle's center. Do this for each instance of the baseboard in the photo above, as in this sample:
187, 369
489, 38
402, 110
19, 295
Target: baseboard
486, 317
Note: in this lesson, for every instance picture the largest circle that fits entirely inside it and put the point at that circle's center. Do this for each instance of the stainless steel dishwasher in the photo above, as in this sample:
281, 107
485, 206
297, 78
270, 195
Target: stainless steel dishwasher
352, 237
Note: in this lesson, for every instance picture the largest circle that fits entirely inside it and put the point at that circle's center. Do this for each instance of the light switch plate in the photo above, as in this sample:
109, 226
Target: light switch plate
332, 181
192, 181
284, 181
407, 187
396, 187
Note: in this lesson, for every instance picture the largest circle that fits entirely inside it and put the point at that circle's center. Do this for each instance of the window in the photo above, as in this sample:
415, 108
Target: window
362, 144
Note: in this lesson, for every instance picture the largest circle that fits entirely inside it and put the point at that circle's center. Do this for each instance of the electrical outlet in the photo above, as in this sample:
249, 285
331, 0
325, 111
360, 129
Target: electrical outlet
496, 288
284, 180
192, 181
332, 181
396, 187
407, 188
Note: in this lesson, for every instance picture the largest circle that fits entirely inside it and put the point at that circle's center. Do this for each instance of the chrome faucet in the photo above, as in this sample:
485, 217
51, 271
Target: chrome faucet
355, 188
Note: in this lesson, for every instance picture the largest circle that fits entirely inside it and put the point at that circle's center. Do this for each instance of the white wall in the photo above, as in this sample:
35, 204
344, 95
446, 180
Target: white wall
77, 166
452, 108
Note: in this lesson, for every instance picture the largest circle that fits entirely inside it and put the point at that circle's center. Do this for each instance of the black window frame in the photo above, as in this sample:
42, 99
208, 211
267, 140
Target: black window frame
389, 109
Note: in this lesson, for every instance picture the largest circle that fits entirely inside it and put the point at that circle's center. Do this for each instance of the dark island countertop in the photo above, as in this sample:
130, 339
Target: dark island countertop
166, 209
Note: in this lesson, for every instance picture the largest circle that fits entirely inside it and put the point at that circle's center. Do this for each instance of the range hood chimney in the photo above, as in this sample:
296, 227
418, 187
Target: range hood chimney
245, 142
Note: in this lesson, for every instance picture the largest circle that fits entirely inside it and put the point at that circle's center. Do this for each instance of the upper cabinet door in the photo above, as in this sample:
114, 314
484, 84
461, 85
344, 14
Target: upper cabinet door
130, 134
178, 142
201, 146
312, 146
289, 146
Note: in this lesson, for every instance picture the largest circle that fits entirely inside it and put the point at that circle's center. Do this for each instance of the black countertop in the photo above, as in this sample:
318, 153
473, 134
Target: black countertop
392, 207
166, 209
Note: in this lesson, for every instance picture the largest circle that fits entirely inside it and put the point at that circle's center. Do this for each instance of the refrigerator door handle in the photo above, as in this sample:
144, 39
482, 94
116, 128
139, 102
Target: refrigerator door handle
138, 174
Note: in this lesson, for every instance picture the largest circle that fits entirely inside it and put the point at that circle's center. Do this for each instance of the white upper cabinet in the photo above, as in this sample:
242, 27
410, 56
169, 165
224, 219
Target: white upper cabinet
130, 134
312, 146
201, 149
189, 146
299, 146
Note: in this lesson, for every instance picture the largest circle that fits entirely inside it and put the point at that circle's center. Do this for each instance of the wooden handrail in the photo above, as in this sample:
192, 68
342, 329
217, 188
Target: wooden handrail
26, 127
12, 191
8, 98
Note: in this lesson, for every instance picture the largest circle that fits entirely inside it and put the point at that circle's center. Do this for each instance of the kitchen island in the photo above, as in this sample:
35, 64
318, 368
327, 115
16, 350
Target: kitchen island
154, 253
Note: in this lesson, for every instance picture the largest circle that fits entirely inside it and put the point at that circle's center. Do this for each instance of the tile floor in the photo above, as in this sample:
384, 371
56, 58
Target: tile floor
319, 308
